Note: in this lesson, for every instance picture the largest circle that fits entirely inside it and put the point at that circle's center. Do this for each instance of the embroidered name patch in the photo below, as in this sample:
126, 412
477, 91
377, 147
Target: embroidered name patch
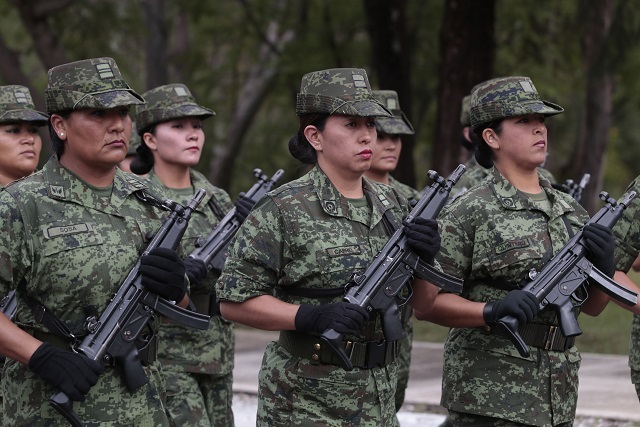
344, 250
512, 244
67, 229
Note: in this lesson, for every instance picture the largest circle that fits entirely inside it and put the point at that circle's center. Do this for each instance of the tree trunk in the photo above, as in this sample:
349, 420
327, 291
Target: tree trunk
391, 59
156, 53
467, 52
595, 123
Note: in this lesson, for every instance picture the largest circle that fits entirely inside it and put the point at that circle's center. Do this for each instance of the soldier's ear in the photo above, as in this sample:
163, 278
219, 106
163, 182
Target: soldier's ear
490, 137
314, 136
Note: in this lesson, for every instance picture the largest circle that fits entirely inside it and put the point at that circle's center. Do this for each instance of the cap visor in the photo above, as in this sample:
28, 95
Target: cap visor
393, 126
363, 108
544, 107
24, 116
193, 110
118, 98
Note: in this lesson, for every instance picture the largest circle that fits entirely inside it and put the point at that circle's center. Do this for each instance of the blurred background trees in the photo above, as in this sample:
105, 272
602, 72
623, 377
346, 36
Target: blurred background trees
244, 59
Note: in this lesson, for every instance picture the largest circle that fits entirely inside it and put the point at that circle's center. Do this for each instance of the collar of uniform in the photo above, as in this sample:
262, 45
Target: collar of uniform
198, 181
62, 185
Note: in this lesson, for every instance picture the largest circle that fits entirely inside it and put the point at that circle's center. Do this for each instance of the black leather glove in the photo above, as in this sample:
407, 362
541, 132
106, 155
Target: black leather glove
243, 206
520, 304
342, 317
163, 272
195, 269
72, 373
600, 243
423, 238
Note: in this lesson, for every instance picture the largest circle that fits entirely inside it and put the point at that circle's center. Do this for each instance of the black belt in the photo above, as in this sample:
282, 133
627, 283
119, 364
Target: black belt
546, 337
539, 335
365, 355
147, 347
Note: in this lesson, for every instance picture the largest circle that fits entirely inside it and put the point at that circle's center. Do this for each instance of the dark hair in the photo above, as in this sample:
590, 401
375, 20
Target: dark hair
143, 162
299, 147
56, 142
483, 153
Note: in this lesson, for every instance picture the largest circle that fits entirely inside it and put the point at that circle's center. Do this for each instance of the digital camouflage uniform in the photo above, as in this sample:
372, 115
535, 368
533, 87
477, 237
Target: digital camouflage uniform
627, 233
70, 246
399, 124
495, 234
198, 365
492, 236
16, 105
305, 234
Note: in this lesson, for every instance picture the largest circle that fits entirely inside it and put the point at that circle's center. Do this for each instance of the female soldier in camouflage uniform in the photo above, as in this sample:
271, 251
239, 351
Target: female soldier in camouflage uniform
492, 236
197, 364
69, 234
20, 142
384, 161
290, 260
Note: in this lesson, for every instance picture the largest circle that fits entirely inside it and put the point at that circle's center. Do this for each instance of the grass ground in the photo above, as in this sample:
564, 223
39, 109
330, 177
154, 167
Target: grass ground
607, 333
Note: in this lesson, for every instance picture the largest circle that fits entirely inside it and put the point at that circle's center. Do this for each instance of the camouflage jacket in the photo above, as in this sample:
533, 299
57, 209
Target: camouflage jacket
305, 234
627, 234
69, 246
492, 235
185, 348
407, 192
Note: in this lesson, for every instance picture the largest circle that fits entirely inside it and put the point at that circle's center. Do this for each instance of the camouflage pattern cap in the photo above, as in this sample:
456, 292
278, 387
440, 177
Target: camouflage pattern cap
16, 105
396, 125
508, 97
168, 102
90, 83
338, 91
465, 116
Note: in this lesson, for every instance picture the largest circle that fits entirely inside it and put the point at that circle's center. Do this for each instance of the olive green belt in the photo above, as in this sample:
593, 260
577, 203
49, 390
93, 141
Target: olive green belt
365, 355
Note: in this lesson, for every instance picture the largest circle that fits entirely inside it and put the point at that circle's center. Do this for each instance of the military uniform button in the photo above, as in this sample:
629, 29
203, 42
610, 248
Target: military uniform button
317, 346
315, 357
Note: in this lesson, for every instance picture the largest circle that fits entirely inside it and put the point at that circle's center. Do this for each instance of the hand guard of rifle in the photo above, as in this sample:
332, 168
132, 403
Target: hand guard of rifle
112, 337
212, 250
555, 285
380, 285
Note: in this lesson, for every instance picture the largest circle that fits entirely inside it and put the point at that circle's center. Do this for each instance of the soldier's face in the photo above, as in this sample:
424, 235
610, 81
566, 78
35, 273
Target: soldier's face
522, 141
20, 146
178, 142
346, 145
96, 138
386, 152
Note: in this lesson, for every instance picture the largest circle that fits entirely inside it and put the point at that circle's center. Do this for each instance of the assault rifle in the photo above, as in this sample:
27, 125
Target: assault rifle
112, 337
212, 250
9, 304
575, 189
555, 285
379, 286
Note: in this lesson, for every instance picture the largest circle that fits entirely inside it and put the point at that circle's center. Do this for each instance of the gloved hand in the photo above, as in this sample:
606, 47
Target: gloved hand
423, 238
162, 272
72, 373
196, 270
243, 206
520, 304
342, 317
600, 243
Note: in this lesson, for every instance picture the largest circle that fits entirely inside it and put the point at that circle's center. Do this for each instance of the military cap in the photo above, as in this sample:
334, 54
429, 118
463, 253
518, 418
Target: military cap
396, 125
16, 105
168, 102
89, 83
338, 91
507, 97
465, 117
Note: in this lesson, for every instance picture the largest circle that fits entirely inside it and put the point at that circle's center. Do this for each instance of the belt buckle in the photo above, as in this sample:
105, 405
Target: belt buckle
550, 339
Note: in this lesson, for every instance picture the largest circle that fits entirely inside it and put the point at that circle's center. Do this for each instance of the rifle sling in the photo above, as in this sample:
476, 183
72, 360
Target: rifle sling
45, 316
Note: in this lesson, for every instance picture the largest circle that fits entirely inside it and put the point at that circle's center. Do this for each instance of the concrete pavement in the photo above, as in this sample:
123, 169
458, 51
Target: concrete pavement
606, 395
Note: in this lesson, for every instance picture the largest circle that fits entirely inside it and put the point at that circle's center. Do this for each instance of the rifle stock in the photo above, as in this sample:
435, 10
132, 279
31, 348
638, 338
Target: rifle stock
379, 286
555, 285
112, 337
213, 249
